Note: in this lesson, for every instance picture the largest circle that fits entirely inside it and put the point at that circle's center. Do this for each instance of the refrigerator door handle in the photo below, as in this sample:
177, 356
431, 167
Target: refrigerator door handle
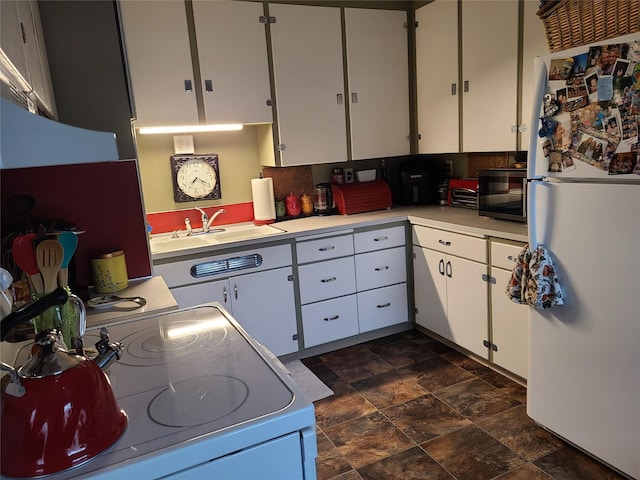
540, 85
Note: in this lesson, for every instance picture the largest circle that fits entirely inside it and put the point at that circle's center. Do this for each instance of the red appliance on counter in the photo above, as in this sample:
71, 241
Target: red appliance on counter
362, 197
463, 192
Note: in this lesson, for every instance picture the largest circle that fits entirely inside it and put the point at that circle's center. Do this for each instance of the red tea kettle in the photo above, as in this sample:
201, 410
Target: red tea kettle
58, 409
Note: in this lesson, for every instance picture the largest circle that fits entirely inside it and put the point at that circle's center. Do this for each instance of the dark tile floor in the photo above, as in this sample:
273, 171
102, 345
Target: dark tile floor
408, 407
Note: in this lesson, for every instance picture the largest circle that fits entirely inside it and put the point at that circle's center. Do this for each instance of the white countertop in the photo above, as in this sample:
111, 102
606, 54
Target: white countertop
154, 290
450, 218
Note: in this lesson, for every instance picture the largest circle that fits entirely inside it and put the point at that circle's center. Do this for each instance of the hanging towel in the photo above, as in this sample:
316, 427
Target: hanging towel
534, 280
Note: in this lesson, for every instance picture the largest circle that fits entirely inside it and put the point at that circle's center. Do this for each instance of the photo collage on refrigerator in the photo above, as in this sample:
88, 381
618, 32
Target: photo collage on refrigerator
592, 109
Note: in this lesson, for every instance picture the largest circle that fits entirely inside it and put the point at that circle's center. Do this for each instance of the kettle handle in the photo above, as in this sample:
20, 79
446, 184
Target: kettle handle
32, 309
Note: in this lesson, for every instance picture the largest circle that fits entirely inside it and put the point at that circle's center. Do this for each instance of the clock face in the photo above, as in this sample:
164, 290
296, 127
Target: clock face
195, 177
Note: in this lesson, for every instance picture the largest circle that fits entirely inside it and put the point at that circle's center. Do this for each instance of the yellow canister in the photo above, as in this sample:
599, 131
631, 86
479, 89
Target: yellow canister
306, 204
109, 271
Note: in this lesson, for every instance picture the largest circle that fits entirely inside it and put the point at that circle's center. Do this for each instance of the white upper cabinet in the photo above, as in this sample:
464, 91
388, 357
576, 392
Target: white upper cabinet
233, 61
378, 77
309, 84
159, 57
232, 54
490, 75
24, 59
479, 102
437, 77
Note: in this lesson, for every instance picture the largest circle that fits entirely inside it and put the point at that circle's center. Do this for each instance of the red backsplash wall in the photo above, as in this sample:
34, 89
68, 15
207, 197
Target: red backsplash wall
102, 198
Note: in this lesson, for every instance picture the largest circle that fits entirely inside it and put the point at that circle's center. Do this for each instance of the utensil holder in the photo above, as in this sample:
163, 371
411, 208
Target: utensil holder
63, 318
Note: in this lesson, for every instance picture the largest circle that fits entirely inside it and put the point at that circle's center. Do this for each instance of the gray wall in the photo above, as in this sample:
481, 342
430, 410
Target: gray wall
87, 71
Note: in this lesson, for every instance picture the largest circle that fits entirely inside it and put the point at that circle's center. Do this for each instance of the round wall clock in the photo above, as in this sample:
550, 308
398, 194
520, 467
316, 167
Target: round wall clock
195, 177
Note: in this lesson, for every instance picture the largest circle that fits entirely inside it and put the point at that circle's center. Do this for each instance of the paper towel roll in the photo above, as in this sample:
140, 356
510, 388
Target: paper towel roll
264, 208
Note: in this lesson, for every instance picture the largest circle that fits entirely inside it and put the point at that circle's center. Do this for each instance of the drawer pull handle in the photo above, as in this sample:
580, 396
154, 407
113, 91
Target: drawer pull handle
441, 267
380, 239
384, 305
331, 319
511, 258
449, 270
326, 249
380, 269
444, 242
327, 280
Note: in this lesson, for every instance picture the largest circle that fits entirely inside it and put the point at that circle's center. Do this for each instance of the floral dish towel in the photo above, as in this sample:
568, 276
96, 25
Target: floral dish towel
534, 280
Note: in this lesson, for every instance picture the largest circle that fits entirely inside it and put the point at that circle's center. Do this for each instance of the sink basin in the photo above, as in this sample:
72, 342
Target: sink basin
165, 243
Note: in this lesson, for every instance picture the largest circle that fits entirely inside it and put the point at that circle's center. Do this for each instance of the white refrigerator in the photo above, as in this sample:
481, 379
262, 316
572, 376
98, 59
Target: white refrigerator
584, 356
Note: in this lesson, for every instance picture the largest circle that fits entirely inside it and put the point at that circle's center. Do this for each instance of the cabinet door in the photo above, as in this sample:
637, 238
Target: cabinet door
309, 84
192, 295
430, 291
490, 69
159, 59
12, 40
467, 304
264, 304
534, 43
232, 50
509, 327
437, 77
377, 68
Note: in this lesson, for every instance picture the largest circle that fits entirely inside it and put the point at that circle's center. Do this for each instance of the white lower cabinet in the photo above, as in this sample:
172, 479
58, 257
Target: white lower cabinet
352, 283
262, 301
451, 298
461, 296
330, 320
509, 320
451, 290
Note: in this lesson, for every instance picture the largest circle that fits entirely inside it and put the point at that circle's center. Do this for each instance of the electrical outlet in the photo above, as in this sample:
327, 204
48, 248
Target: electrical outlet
183, 144
348, 175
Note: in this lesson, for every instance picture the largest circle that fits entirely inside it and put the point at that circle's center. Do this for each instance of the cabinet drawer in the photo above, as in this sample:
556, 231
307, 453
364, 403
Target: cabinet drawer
322, 280
504, 255
382, 307
324, 248
473, 248
378, 269
379, 239
330, 320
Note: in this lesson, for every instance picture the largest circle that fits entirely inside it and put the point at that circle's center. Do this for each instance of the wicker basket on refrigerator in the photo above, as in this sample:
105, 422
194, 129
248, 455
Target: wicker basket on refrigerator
572, 23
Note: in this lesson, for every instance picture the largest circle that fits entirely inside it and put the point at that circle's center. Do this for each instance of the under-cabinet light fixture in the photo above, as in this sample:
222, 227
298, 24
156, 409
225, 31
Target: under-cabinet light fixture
221, 127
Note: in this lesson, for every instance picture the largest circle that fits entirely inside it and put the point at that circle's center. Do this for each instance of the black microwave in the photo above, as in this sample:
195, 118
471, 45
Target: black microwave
502, 193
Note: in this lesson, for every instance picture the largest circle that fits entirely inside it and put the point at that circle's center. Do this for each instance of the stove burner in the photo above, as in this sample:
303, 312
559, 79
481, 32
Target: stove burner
198, 400
151, 346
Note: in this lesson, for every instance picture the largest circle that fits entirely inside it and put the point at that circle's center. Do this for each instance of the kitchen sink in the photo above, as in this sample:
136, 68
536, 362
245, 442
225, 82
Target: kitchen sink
168, 243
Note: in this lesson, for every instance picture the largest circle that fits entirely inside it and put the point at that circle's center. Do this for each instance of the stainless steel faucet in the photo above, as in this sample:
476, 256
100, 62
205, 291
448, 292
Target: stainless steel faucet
206, 221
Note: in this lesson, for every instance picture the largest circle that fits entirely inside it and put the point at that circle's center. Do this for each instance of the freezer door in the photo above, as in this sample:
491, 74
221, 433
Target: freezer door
584, 381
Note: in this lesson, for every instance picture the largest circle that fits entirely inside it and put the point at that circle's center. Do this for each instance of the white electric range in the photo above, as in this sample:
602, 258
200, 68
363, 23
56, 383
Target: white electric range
203, 400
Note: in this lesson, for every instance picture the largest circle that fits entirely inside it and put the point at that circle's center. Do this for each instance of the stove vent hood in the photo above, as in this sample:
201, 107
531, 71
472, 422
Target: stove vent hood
30, 140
